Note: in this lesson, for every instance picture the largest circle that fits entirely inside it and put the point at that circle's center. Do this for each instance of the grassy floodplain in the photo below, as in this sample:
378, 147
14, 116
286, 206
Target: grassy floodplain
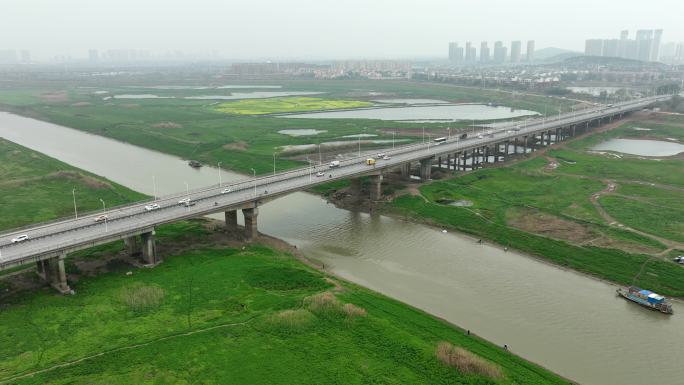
198, 129
289, 104
36, 188
549, 213
234, 315
213, 314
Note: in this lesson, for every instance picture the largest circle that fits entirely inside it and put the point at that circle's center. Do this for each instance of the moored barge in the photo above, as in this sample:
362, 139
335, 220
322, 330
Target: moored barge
646, 298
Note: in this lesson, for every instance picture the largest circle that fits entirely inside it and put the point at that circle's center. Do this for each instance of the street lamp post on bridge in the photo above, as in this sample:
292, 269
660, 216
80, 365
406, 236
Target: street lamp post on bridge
104, 214
255, 182
73, 193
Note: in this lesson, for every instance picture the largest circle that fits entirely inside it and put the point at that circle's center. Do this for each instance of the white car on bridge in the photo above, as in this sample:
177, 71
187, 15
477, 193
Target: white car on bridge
20, 238
151, 207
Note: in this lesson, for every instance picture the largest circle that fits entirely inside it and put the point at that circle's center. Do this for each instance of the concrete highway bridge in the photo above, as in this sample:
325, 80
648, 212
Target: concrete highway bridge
49, 243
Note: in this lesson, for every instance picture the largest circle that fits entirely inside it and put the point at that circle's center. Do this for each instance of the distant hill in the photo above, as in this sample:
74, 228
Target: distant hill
612, 62
545, 54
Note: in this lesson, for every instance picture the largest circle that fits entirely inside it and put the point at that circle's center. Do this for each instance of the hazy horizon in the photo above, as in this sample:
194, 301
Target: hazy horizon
319, 30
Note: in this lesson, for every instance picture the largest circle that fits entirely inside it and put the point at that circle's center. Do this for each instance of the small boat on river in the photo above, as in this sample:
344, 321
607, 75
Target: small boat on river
646, 298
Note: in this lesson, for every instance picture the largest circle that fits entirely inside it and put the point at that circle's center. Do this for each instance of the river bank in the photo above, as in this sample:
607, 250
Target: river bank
570, 329
360, 335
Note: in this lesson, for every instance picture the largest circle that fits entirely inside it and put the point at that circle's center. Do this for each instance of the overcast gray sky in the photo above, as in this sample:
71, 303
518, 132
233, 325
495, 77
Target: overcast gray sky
321, 29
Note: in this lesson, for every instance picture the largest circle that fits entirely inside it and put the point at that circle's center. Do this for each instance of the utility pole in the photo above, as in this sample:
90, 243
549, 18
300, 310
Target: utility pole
255, 184
73, 193
154, 187
104, 213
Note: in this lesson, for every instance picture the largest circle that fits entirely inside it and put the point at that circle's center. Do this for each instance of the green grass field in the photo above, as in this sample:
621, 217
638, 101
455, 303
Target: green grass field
503, 196
487, 218
37, 188
232, 316
198, 129
288, 104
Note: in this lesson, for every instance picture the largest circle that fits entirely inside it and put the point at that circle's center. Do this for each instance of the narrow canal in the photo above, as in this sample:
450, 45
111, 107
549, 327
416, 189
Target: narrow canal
567, 322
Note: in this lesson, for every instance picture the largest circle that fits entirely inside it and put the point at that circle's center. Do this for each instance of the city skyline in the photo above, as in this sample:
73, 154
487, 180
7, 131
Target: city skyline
275, 30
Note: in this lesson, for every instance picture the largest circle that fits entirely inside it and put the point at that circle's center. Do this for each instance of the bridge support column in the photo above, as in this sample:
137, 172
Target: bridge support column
52, 271
251, 231
463, 158
486, 155
573, 130
425, 169
525, 145
439, 162
448, 161
354, 189
405, 170
376, 187
231, 220
515, 146
149, 248
131, 246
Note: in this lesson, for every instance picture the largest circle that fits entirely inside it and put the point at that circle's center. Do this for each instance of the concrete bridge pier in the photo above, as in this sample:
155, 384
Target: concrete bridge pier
52, 271
465, 157
131, 246
231, 221
439, 162
376, 187
251, 231
515, 146
448, 161
574, 126
425, 169
354, 189
405, 170
149, 248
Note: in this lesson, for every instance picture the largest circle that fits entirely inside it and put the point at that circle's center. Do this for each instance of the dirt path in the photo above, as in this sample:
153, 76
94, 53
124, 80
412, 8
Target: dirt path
610, 189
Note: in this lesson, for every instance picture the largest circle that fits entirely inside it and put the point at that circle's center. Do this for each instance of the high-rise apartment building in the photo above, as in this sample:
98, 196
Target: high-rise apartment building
679, 52
484, 52
610, 47
593, 47
25, 56
499, 52
644, 38
93, 55
530, 50
516, 51
645, 46
655, 45
622, 45
470, 53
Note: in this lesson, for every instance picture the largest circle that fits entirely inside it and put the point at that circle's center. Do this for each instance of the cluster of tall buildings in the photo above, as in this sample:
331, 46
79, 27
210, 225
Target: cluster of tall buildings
497, 55
12, 56
645, 46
